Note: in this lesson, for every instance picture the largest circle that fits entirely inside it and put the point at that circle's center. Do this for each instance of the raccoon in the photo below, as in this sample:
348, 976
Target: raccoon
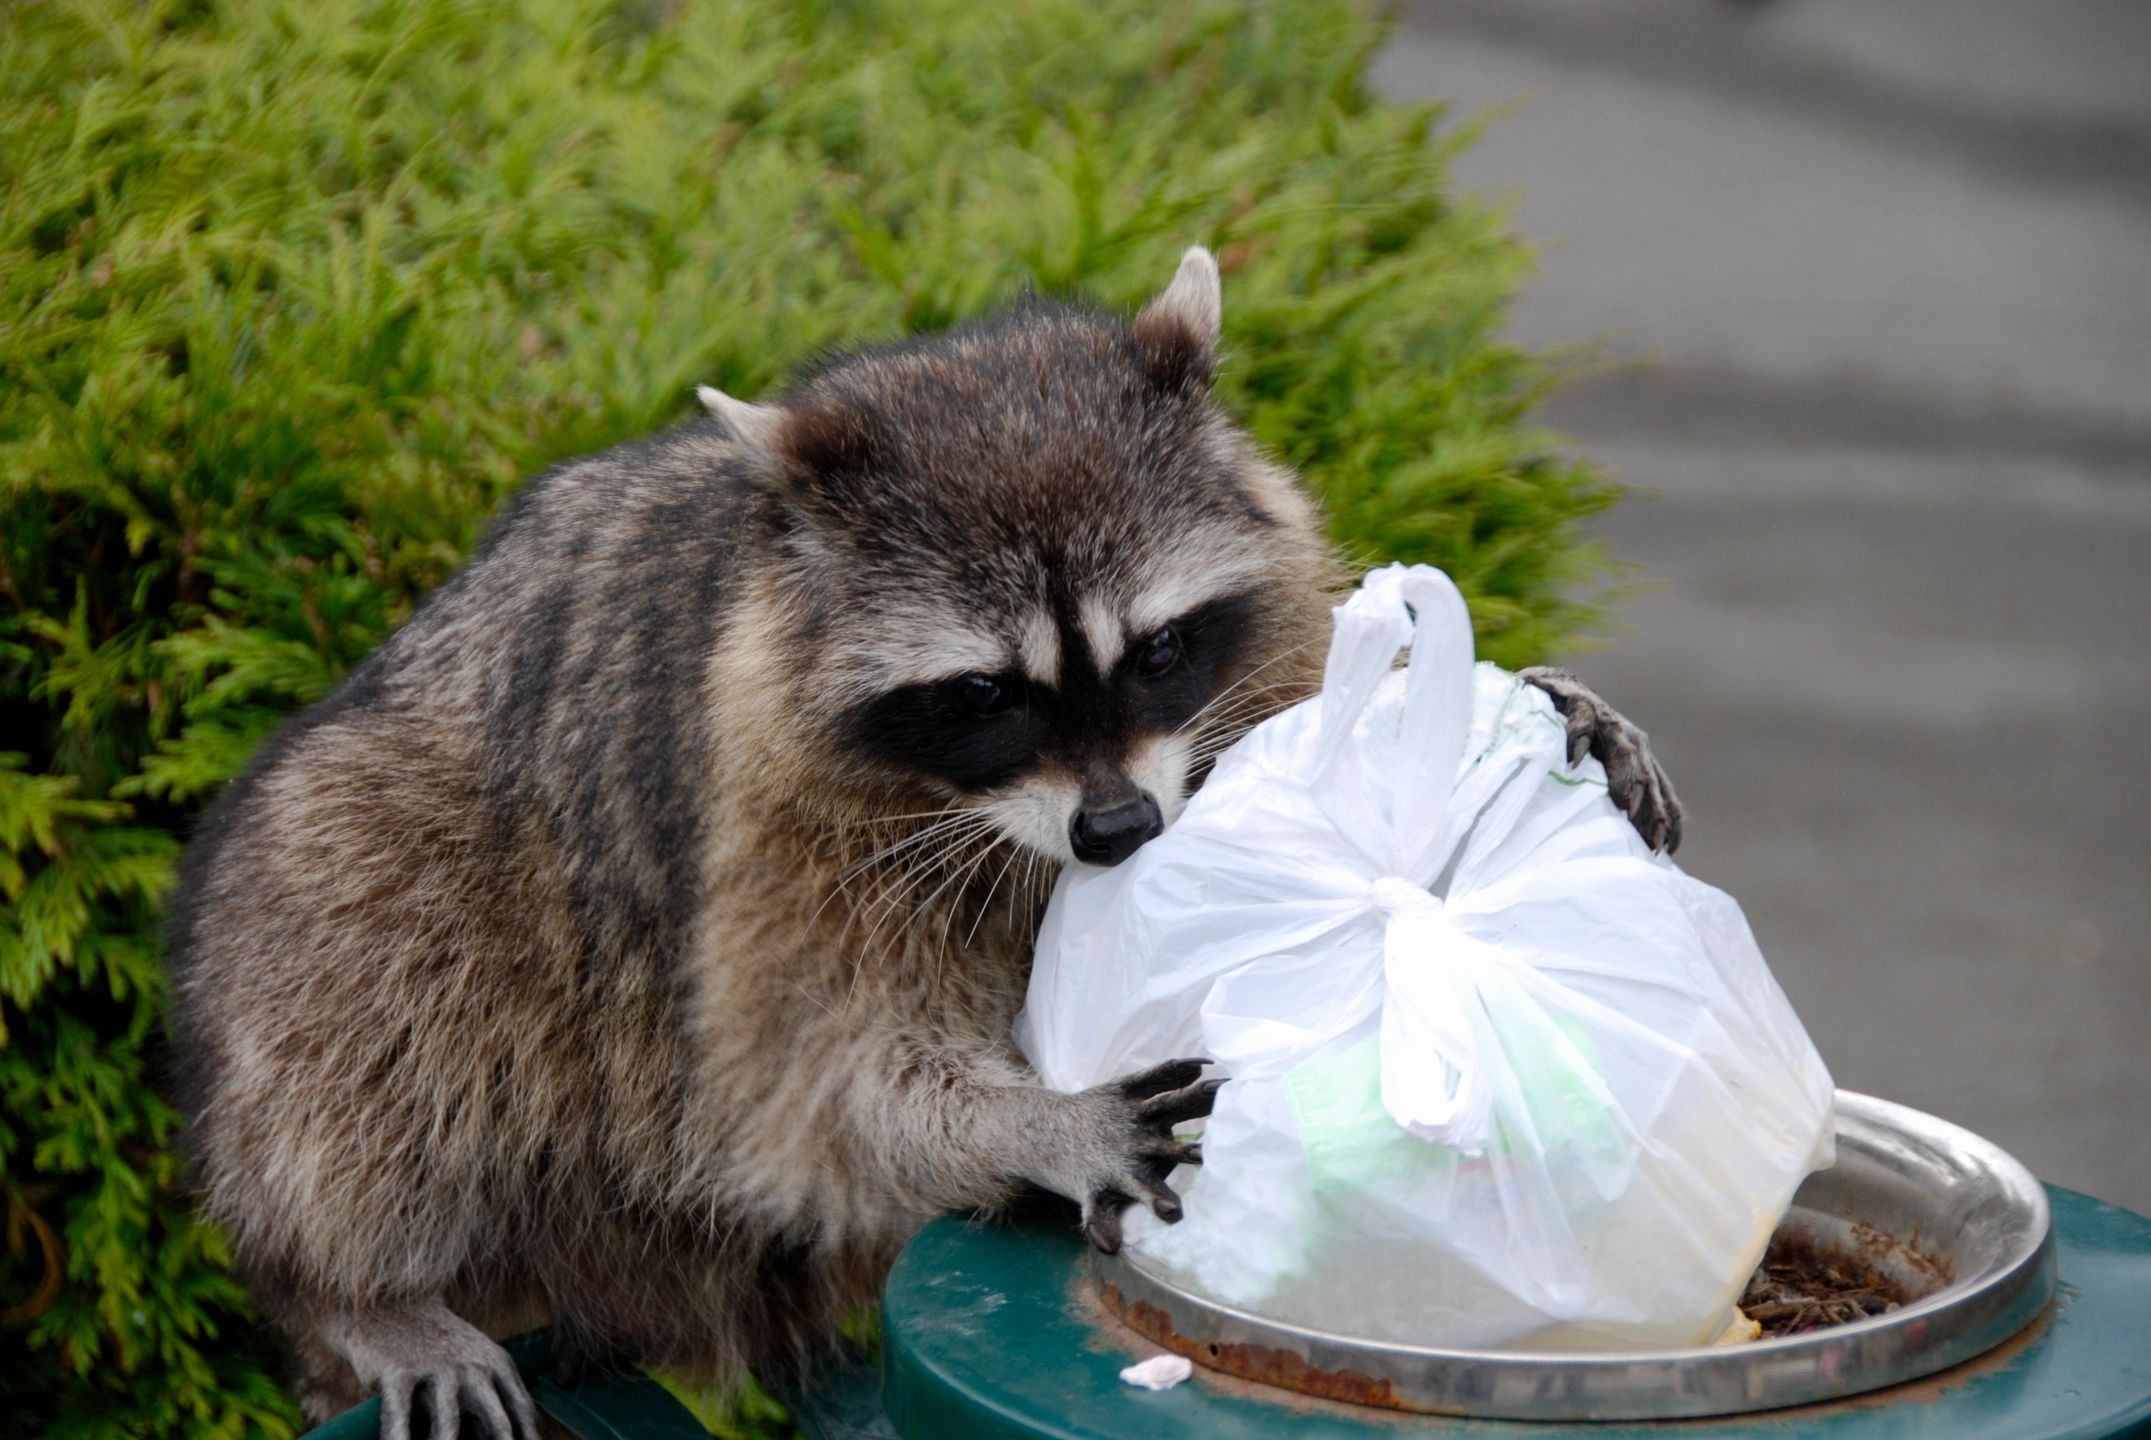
632, 943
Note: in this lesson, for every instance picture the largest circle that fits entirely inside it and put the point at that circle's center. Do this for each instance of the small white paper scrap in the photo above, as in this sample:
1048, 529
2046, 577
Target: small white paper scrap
1159, 1372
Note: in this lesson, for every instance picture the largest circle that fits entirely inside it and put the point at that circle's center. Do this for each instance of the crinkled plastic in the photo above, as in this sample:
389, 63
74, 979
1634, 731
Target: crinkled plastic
1500, 1075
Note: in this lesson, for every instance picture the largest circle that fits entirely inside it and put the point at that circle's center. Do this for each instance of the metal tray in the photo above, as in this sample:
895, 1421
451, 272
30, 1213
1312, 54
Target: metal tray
1955, 1218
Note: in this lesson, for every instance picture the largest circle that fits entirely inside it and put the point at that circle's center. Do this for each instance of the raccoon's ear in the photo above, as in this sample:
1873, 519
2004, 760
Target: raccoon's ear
816, 453
834, 444
755, 426
1176, 333
787, 449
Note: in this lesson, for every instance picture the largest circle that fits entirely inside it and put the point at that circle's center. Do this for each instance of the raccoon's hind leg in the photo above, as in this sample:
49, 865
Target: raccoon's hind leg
1634, 778
427, 1361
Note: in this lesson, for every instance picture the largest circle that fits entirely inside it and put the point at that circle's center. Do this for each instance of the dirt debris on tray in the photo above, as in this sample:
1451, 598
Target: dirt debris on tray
1799, 1287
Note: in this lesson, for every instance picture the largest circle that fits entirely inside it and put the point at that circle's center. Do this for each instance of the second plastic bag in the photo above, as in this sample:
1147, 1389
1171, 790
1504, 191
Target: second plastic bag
1500, 1075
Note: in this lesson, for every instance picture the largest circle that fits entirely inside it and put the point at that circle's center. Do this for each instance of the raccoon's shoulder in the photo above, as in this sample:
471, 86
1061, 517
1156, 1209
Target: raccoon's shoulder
577, 650
670, 489
623, 543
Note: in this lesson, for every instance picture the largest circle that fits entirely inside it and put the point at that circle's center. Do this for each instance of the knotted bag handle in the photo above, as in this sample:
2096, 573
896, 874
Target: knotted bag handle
1398, 607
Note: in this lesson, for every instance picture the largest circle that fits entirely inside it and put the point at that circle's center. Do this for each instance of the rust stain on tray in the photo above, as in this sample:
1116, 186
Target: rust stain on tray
1263, 1364
1094, 1304
1287, 1379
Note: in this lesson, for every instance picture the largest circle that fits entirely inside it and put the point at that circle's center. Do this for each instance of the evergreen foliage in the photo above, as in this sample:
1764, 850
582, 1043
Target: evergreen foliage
291, 294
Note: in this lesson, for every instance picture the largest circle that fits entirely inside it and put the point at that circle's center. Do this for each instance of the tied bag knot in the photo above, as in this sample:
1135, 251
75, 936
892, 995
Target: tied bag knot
1393, 895
1434, 1081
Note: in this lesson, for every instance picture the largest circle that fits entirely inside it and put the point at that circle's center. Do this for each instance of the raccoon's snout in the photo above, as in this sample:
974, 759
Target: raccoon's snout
1109, 834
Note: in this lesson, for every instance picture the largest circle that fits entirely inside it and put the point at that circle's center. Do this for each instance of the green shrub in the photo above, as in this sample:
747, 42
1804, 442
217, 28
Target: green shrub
291, 294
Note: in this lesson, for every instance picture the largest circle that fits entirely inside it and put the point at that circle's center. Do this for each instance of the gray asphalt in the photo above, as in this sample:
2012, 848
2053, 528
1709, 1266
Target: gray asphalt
1879, 274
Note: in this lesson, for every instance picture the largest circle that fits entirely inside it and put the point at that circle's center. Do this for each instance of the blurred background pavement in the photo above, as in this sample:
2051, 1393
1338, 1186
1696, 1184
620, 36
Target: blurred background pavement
1885, 272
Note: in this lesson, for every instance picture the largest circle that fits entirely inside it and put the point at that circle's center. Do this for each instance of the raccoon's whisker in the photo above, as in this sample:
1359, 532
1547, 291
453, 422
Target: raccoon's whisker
1214, 745
948, 919
815, 1000
892, 899
986, 904
952, 822
954, 839
873, 820
960, 861
1258, 698
1020, 890
1285, 654
1035, 869
1248, 698
889, 852
1249, 710
897, 889
951, 860
939, 829
1229, 728
1219, 698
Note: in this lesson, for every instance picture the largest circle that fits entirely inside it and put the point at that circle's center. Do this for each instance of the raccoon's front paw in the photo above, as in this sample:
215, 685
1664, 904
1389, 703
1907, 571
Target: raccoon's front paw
1634, 778
438, 1375
1128, 1147
480, 1396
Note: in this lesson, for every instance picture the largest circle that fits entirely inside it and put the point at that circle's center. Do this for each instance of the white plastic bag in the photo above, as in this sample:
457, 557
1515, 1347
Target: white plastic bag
1500, 1075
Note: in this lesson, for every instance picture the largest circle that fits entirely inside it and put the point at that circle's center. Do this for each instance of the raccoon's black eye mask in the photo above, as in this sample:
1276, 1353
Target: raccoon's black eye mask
979, 732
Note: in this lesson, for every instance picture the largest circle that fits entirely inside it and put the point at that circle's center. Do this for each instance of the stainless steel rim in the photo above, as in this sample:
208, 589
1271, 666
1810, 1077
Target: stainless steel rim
1978, 1217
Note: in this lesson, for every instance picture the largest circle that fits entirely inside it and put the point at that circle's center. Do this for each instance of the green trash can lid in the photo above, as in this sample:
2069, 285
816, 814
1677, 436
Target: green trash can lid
990, 1333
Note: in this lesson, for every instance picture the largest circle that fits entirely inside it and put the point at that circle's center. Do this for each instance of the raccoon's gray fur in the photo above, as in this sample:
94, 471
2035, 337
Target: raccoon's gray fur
633, 942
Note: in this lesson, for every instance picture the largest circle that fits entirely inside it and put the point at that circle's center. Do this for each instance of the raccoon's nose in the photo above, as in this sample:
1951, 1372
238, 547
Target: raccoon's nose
1111, 834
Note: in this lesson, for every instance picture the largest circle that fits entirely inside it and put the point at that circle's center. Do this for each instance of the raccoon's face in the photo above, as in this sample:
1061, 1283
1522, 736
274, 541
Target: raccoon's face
1041, 579
1076, 728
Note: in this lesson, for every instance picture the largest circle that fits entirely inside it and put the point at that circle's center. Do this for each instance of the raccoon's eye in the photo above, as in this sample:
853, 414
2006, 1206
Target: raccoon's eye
1158, 653
981, 695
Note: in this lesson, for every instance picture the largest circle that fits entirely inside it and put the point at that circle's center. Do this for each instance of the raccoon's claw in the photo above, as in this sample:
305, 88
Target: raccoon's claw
481, 1397
1101, 1213
435, 1371
1189, 1102
1635, 780
1144, 1151
1175, 1153
1172, 1075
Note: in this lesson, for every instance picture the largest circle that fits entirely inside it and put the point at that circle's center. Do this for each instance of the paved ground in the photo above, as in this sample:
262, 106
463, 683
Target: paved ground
1887, 265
